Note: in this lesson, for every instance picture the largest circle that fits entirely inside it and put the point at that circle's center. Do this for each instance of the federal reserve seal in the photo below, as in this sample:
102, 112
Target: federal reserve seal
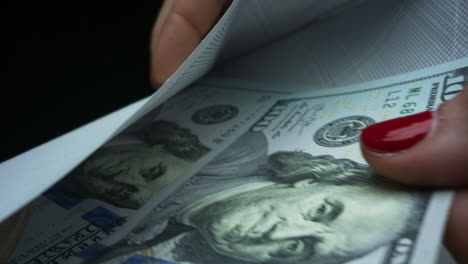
214, 114
342, 132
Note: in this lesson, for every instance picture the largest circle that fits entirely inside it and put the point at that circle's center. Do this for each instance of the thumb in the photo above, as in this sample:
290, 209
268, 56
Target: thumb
180, 27
429, 148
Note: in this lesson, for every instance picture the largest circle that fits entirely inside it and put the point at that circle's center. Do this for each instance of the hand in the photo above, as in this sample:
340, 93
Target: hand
180, 27
428, 149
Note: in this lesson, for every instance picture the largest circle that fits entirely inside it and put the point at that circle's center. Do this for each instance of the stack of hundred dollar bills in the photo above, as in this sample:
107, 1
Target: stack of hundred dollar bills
250, 152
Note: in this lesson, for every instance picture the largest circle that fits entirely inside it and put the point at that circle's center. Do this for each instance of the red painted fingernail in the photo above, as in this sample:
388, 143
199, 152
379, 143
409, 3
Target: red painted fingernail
397, 134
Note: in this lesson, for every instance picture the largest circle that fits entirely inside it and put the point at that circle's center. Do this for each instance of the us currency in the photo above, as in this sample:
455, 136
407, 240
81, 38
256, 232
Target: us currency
76, 219
246, 175
294, 188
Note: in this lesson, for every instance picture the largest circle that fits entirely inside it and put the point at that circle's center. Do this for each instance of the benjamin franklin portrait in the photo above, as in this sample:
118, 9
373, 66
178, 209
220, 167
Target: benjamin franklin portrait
286, 207
129, 169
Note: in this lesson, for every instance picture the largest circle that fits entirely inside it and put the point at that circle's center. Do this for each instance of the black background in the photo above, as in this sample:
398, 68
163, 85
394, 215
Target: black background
68, 64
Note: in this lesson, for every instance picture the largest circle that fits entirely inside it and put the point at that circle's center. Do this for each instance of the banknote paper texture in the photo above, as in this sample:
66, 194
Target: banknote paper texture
294, 188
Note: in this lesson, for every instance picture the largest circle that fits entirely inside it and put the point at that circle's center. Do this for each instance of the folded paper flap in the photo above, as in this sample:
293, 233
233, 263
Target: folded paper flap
259, 22
370, 41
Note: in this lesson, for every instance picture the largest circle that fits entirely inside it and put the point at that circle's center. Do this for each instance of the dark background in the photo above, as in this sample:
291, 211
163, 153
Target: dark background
68, 64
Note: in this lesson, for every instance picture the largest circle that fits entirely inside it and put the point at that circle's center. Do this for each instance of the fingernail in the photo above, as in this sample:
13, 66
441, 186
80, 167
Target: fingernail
398, 134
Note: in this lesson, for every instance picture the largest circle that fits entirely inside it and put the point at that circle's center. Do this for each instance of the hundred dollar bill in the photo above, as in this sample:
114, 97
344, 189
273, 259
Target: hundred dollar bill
111, 190
294, 188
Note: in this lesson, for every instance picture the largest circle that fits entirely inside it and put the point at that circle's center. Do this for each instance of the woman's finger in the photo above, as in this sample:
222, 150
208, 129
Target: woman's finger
180, 27
428, 149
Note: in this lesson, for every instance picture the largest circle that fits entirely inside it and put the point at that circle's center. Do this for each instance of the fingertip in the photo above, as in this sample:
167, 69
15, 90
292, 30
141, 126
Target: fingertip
157, 79
171, 47
397, 167
424, 149
179, 29
389, 146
